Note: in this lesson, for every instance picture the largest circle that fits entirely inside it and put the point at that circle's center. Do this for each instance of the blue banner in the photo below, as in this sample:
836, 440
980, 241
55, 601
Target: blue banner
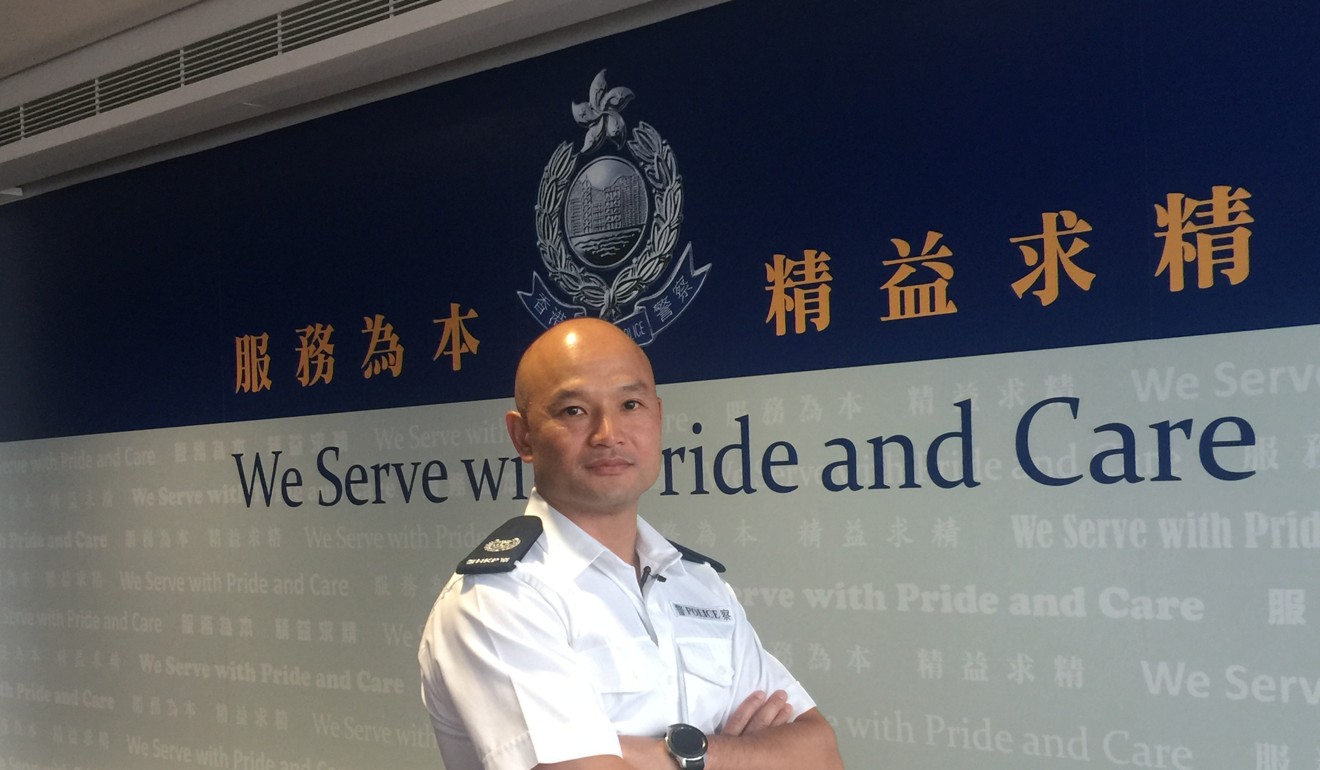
873, 183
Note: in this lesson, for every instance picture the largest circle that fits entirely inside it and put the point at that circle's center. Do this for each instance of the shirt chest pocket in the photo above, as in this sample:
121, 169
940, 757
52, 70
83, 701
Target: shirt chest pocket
708, 676
620, 668
707, 659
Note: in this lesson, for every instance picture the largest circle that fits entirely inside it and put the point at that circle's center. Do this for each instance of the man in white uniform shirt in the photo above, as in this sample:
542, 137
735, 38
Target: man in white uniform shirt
579, 638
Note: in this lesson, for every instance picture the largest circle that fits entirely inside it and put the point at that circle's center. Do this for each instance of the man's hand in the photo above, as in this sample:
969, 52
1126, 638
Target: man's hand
758, 712
757, 735
807, 741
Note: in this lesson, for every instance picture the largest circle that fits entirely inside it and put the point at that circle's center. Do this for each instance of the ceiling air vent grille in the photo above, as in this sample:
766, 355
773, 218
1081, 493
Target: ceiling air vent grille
262, 39
11, 125
236, 48
131, 84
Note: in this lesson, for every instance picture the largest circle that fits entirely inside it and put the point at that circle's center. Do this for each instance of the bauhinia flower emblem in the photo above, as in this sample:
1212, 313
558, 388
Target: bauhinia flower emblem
600, 114
607, 225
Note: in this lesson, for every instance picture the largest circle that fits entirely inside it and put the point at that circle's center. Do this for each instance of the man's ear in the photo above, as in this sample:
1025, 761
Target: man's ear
516, 424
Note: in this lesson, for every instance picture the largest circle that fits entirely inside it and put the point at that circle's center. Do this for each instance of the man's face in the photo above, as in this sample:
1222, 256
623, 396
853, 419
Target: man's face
591, 428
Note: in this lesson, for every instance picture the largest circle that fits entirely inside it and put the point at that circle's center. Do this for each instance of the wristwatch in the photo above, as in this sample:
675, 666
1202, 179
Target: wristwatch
687, 745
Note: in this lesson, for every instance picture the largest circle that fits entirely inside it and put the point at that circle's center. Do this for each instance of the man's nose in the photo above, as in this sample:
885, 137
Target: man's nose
605, 431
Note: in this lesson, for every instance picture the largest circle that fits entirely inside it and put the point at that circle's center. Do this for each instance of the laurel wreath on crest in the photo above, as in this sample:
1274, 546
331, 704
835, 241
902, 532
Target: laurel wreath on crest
495, 546
656, 159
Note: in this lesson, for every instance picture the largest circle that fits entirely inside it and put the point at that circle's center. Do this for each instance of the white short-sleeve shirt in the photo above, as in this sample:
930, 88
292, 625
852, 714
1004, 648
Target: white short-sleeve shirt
557, 658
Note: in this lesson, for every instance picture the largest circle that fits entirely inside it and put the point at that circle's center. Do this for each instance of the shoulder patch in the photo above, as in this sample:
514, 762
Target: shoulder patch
693, 556
502, 548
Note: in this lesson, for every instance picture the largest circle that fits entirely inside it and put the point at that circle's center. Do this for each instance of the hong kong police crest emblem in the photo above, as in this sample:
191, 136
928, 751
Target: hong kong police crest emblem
607, 220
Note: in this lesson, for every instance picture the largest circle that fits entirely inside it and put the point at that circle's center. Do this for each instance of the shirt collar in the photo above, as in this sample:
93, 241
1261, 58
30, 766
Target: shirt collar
574, 550
655, 550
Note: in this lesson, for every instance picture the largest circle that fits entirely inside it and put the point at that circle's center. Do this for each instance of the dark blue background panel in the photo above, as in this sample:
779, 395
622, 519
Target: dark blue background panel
831, 127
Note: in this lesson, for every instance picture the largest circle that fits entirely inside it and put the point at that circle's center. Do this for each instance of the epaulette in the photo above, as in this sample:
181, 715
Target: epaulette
693, 556
503, 548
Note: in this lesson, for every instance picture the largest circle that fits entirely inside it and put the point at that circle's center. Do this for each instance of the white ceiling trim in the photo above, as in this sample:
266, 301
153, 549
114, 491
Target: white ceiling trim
421, 47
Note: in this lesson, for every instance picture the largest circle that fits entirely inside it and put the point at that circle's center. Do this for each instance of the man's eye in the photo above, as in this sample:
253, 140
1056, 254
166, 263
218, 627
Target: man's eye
632, 404
573, 411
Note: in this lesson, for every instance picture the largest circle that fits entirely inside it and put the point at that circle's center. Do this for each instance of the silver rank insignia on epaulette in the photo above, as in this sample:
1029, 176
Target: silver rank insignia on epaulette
502, 549
691, 555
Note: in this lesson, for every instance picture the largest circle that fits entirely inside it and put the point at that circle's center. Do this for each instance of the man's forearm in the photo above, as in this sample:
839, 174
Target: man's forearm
806, 742
602, 762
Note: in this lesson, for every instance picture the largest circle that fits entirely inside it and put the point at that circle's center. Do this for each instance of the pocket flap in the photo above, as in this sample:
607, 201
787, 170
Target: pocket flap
708, 658
619, 668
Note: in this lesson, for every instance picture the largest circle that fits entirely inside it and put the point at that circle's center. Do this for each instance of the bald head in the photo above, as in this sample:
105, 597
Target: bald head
588, 421
568, 345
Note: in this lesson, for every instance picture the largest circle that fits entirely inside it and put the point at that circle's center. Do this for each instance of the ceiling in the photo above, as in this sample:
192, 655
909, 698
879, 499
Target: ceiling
35, 31
48, 45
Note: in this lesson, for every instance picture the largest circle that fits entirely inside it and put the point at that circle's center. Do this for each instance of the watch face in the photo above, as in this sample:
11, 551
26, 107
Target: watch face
687, 741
